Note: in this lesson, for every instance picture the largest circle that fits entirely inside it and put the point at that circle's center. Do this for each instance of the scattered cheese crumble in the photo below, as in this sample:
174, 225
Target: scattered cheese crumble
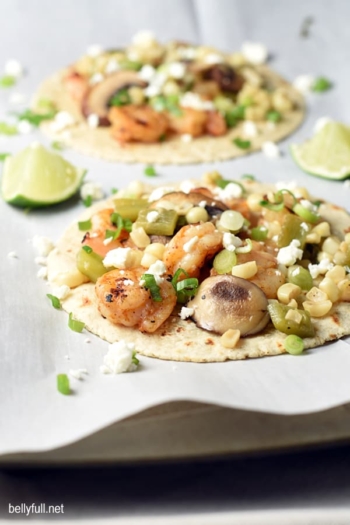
231, 241
42, 273
13, 68
61, 292
93, 190
158, 193
192, 100
270, 149
12, 255
304, 83
152, 216
119, 358
93, 120
24, 127
157, 269
249, 129
186, 138
289, 254
186, 312
255, 52
78, 373
320, 123
117, 258
62, 120
43, 245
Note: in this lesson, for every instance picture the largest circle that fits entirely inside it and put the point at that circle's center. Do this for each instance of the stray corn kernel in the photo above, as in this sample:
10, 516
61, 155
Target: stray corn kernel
293, 304
337, 273
245, 270
330, 288
230, 338
316, 295
148, 259
157, 249
139, 237
294, 315
211, 177
317, 309
323, 229
288, 291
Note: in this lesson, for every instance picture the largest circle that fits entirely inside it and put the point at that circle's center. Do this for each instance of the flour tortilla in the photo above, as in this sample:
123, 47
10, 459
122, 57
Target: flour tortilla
97, 142
181, 340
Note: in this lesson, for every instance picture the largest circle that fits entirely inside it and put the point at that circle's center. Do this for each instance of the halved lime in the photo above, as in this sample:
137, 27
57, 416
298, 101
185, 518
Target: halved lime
327, 153
37, 177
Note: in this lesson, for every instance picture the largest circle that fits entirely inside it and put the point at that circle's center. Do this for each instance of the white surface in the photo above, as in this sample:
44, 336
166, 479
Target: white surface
35, 337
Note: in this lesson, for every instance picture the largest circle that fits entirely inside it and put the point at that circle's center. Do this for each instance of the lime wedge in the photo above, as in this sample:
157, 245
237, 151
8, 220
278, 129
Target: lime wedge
37, 177
327, 153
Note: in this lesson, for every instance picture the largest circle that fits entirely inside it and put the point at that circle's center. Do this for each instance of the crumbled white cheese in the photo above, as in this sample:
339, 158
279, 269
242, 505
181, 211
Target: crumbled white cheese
152, 216
270, 149
94, 50
42, 273
304, 226
157, 269
213, 58
346, 183
87, 341
16, 99
320, 123
117, 258
231, 191
12, 255
320, 269
24, 127
188, 246
78, 373
147, 73
93, 120
249, 129
112, 66
13, 68
255, 52
202, 204
93, 190
193, 100
289, 254
289, 185
61, 292
187, 185
231, 241
43, 245
42, 261
107, 241
308, 205
186, 137
176, 70
152, 91
62, 120
143, 38
186, 312
187, 53
158, 193
119, 358
304, 83
128, 282
96, 78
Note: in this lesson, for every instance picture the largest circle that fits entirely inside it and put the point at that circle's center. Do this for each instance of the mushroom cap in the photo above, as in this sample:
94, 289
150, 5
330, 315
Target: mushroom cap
97, 99
182, 202
226, 302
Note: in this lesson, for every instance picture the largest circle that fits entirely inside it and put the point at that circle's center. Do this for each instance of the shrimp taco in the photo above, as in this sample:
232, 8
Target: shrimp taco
168, 104
209, 271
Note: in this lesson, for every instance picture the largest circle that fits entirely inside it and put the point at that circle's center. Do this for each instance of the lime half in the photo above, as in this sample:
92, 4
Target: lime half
37, 177
327, 154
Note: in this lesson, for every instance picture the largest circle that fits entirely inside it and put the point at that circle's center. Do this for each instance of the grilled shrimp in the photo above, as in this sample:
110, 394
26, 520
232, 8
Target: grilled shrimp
215, 124
191, 247
76, 85
137, 123
123, 301
183, 202
190, 122
268, 277
96, 238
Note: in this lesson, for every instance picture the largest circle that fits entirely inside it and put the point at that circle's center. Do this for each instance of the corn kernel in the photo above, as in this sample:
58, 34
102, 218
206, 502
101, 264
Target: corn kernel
230, 338
287, 292
281, 101
135, 188
293, 304
316, 295
253, 201
71, 278
330, 288
148, 259
211, 177
313, 238
337, 273
323, 229
317, 309
294, 315
156, 249
331, 245
137, 95
340, 257
133, 259
245, 270
344, 290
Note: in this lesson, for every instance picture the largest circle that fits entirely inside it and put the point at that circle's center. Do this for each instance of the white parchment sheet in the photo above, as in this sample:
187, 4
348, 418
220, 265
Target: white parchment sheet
35, 338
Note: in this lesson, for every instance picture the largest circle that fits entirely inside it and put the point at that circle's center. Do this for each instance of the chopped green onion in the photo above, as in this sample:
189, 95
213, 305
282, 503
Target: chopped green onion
87, 249
248, 177
36, 118
134, 359
152, 286
176, 276
47, 104
222, 183
63, 384
130, 64
305, 214
273, 116
87, 201
247, 248
233, 116
76, 326
259, 233
122, 98
120, 223
278, 205
56, 303
57, 145
231, 220
150, 171
3, 156
242, 144
114, 191
294, 344
321, 84
7, 129
7, 81
186, 288
224, 261
85, 225
168, 103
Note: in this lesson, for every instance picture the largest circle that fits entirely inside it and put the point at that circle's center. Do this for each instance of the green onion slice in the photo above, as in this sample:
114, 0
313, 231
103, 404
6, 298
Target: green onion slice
120, 223
87, 249
35, 119
273, 116
294, 344
76, 326
122, 98
321, 84
3, 156
85, 225
87, 201
305, 214
248, 177
242, 144
63, 384
278, 205
224, 261
176, 276
7, 81
259, 233
247, 248
150, 171
57, 145
152, 286
114, 191
7, 129
186, 288
134, 359
56, 303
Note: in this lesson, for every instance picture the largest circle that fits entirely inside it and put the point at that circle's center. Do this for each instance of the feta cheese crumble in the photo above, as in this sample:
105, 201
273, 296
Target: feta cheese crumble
13, 68
42, 261
289, 254
17, 99
255, 52
186, 312
187, 185
177, 70
193, 100
93, 190
24, 127
94, 50
12, 255
152, 216
304, 83
231, 242
270, 149
320, 123
213, 58
78, 373
320, 269
62, 120
186, 137
231, 191
157, 269
61, 292
117, 258
93, 120
119, 358
249, 129
42, 273
147, 73
43, 245
96, 79
144, 38
158, 193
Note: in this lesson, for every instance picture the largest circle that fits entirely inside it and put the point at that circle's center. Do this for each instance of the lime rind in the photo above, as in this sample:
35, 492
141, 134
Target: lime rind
318, 171
37, 177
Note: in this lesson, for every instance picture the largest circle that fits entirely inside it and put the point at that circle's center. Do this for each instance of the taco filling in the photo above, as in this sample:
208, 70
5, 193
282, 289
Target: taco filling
235, 260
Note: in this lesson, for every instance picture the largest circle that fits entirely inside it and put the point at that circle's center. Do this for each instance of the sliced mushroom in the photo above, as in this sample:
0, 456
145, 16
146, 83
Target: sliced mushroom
98, 97
224, 301
182, 202
225, 76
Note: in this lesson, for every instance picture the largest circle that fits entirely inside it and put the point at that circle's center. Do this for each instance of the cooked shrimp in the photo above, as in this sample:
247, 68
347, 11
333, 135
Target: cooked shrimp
137, 123
215, 124
191, 247
190, 122
96, 237
182, 202
76, 85
268, 277
123, 301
